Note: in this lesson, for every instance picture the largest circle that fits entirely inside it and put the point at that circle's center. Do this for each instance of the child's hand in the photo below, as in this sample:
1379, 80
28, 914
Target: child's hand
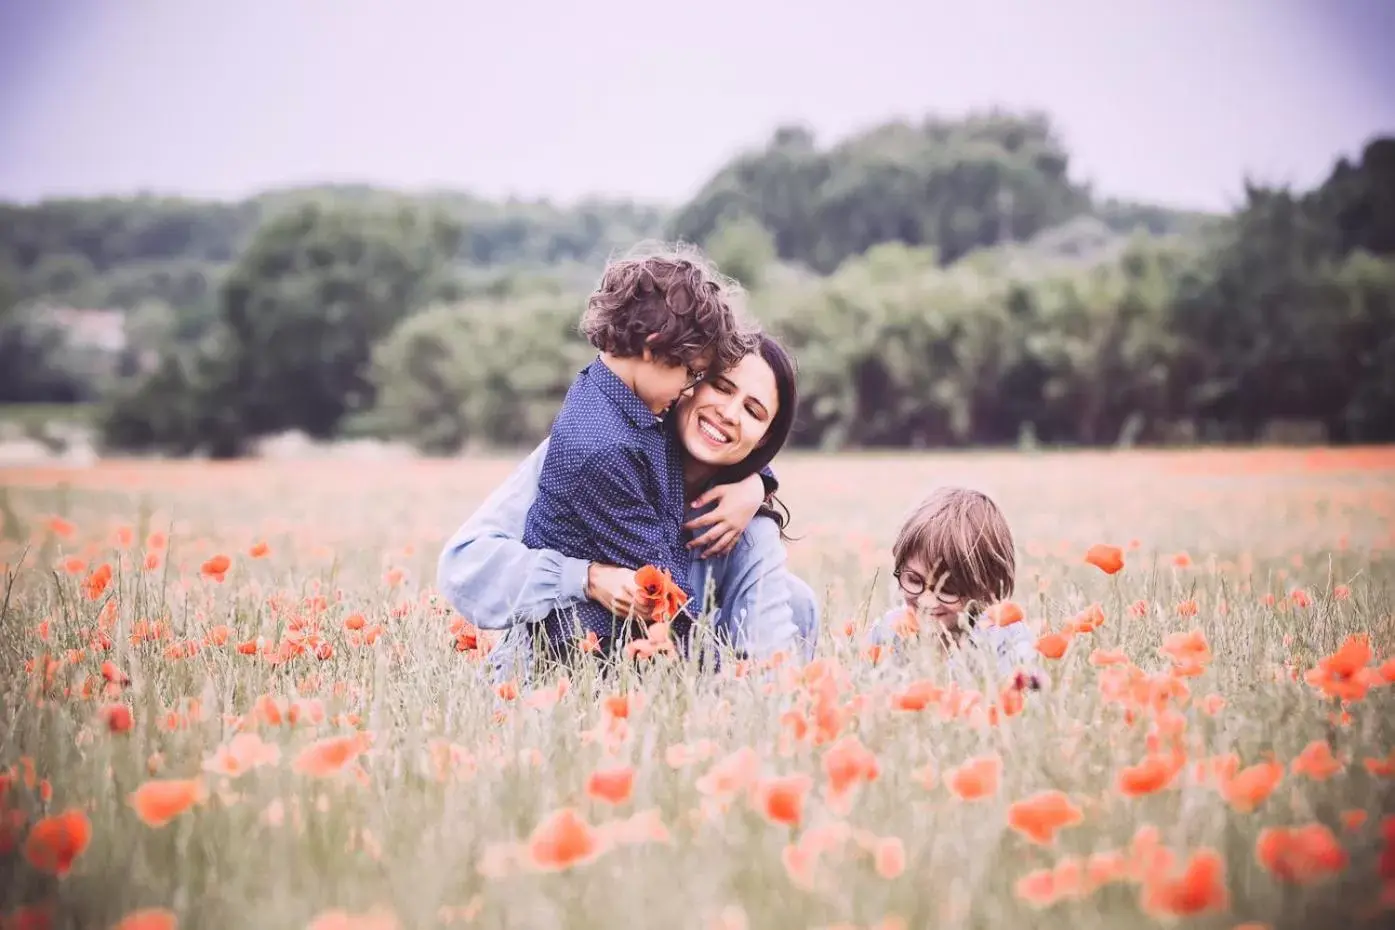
615, 589
736, 508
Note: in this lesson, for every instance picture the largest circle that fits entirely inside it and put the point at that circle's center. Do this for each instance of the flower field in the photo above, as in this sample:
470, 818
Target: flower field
232, 698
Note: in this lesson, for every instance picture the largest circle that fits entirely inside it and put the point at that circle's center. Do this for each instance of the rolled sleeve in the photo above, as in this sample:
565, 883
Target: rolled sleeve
488, 574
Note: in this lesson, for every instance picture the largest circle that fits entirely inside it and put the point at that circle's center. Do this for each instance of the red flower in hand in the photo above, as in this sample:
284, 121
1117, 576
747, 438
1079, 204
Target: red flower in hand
659, 589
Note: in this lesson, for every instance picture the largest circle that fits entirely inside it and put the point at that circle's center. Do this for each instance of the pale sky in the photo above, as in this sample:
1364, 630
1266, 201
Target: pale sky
1171, 101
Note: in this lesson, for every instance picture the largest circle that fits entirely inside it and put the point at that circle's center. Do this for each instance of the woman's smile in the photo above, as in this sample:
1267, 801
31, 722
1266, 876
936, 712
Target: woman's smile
715, 435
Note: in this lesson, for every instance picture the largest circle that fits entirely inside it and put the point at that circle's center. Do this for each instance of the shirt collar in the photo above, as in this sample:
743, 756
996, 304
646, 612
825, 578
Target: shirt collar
620, 394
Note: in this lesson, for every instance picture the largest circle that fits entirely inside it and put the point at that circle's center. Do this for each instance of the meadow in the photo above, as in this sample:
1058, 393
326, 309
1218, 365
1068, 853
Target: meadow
232, 698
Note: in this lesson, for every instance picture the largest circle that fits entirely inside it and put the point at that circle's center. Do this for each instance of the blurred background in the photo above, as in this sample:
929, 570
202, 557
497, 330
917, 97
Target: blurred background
992, 224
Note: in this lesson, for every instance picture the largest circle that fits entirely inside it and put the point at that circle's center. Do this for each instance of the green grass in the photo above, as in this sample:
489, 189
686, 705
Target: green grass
274, 847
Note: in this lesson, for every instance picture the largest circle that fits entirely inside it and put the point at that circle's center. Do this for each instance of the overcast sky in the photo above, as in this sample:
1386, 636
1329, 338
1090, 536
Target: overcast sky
1164, 100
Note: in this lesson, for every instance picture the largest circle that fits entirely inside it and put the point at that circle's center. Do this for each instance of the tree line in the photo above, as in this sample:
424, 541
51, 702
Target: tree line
943, 283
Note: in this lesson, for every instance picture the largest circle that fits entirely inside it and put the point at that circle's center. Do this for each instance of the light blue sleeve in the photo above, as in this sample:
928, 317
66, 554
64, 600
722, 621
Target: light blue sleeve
1014, 647
882, 631
490, 577
753, 594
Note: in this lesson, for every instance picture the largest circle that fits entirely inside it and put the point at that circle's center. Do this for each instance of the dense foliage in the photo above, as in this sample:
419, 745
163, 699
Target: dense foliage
946, 283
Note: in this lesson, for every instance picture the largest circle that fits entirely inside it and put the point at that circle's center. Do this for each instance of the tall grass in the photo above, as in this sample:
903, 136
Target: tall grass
423, 828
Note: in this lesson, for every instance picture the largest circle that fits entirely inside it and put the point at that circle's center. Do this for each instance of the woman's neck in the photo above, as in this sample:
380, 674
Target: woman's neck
696, 476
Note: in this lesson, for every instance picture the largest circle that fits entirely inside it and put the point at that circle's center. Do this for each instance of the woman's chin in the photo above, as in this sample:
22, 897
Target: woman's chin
703, 450
712, 460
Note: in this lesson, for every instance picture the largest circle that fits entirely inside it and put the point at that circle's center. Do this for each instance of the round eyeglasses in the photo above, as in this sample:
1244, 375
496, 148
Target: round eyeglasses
914, 585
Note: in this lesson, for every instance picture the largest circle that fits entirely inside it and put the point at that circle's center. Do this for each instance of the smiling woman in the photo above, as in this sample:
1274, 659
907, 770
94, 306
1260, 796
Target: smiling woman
733, 425
730, 427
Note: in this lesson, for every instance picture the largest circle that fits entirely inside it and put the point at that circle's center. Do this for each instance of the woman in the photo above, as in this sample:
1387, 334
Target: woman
730, 427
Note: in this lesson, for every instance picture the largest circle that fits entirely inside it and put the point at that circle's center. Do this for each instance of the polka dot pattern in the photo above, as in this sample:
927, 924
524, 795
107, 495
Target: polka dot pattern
611, 490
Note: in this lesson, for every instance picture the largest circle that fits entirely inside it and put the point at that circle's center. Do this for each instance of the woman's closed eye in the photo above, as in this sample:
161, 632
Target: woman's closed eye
753, 407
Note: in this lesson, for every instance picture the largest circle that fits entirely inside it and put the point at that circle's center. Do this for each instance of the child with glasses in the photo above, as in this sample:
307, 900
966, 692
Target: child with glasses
953, 557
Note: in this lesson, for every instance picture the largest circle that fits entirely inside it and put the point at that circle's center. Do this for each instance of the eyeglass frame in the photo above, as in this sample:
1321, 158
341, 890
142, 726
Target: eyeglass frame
694, 379
945, 599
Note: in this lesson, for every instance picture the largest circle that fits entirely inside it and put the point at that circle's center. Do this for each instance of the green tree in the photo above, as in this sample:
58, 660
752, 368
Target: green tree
317, 287
483, 372
955, 185
298, 316
743, 249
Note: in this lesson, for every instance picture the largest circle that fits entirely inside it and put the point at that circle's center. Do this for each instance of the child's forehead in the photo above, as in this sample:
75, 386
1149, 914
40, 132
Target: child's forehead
926, 558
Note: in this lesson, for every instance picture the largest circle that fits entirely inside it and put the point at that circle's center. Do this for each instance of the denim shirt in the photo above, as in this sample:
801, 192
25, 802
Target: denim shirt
1011, 647
497, 583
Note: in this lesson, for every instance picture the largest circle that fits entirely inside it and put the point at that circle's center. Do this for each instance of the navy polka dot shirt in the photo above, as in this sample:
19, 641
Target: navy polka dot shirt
611, 490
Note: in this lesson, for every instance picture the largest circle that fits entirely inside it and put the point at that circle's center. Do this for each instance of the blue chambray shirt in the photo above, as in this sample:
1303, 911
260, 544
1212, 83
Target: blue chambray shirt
611, 490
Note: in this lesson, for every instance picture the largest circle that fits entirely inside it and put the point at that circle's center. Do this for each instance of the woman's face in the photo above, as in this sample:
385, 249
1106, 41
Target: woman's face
728, 414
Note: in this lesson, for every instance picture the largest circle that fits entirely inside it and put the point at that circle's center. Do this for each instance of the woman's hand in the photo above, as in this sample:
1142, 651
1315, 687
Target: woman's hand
736, 508
614, 589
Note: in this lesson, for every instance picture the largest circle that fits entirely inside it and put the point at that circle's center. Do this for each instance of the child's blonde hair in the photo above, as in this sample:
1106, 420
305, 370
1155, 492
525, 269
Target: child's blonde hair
965, 543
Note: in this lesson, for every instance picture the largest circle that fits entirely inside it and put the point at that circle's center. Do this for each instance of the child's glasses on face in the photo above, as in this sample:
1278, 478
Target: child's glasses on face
914, 585
694, 379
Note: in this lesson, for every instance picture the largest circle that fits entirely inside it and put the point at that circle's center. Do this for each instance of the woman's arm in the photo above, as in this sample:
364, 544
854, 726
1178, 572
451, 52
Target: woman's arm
753, 594
490, 577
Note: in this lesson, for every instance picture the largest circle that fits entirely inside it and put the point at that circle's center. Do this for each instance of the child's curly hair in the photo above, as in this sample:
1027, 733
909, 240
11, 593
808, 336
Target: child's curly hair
677, 296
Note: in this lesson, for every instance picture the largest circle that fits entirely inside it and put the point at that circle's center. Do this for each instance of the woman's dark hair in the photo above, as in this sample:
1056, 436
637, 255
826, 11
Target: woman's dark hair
782, 364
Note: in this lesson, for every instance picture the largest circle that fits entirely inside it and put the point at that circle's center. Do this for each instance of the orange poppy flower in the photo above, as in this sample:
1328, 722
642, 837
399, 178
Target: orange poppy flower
917, 695
846, 764
56, 841
1353, 819
1004, 613
97, 582
1037, 888
1317, 761
1300, 855
1199, 889
781, 800
564, 839
976, 778
1108, 559
612, 785
330, 755
1343, 674
117, 718
150, 918
1041, 815
160, 800
1153, 774
1248, 788
1052, 645
661, 591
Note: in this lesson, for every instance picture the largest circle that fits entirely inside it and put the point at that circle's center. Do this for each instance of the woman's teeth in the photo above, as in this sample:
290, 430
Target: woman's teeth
711, 432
